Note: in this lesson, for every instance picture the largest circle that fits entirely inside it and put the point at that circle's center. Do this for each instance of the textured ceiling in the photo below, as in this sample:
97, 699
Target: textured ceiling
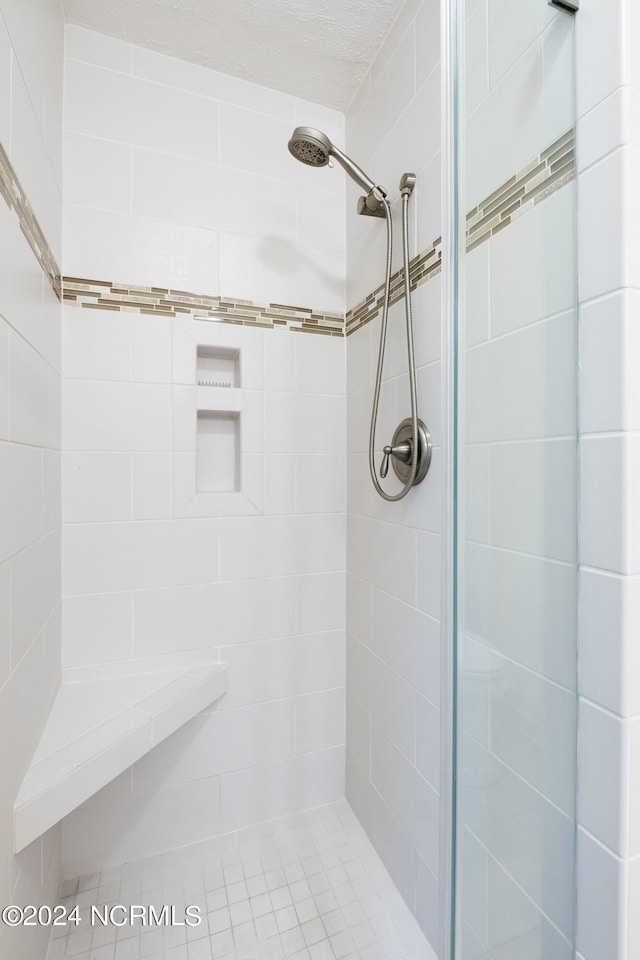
315, 49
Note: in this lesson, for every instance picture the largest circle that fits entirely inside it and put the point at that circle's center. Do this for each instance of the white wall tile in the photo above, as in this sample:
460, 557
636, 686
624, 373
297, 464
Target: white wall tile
522, 518
96, 345
603, 613
99, 415
277, 668
604, 543
5, 87
409, 641
410, 797
320, 602
20, 497
97, 49
107, 834
125, 99
217, 742
209, 83
384, 555
35, 591
5, 385
132, 556
35, 397
600, 881
97, 172
603, 266
151, 349
97, 629
281, 546
320, 721
151, 486
259, 793
212, 615
599, 37
96, 486
320, 484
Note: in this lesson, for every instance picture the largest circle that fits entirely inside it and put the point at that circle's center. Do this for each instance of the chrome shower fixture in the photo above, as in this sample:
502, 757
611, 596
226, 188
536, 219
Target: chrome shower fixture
314, 148
410, 450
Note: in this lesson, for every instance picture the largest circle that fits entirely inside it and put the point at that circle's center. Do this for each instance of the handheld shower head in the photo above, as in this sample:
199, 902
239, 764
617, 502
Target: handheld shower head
310, 146
314, 148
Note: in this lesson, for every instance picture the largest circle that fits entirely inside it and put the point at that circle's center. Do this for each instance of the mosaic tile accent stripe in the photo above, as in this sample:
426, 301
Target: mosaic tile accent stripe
533, 183
16, 199
423, 267
163, 302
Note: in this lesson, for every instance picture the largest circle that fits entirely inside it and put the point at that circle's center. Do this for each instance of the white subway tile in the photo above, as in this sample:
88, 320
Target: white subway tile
21, 511
101, 415
533, 730
523, 516
600, 884
281, 546
409, 641
35, 397
604, 537
5, 85
151, 349
603, 612
603, 226
97, 629
5, 620
320, 365
97, 49
320, 721
409, 796
320, 602
97, 172
35, 591
216, 742
600, 40
151, 486
384, 555
5, 384
107, 834
320, 484
279, 668
95, 487
274, 790
633, 802
135, 556
604, 128
429, 573
123, 100
96, 345
209, 615
210, 83
525, 607
604, 776
604, 365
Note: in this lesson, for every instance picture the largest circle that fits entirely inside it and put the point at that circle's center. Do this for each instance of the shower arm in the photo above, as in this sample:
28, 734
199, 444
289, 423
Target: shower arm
356, 173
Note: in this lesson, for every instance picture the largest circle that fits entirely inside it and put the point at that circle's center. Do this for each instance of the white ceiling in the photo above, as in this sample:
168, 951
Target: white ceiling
315, 49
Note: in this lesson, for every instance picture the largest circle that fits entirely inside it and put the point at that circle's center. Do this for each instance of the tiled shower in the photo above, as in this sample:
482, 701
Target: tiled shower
189, 326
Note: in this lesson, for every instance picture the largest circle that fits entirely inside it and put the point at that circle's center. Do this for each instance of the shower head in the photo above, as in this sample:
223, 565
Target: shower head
314, 148
310, 146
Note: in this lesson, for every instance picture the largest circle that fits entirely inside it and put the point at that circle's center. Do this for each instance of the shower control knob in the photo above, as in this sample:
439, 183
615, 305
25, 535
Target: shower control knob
402, 451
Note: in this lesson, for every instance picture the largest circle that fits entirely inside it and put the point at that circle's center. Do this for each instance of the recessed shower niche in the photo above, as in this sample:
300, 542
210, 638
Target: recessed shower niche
218, 424
219, 403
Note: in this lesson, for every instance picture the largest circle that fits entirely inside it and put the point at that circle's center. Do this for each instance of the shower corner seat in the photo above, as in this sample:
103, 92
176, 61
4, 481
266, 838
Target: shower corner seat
103, 719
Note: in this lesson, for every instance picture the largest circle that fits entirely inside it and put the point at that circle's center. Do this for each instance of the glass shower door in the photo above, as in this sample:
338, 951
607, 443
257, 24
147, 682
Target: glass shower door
516, 484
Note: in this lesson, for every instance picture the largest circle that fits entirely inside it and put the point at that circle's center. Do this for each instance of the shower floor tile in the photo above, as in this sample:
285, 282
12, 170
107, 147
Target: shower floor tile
306, 887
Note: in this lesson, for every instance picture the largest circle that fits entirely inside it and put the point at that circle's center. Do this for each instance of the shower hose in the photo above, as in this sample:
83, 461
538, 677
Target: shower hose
381, 351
